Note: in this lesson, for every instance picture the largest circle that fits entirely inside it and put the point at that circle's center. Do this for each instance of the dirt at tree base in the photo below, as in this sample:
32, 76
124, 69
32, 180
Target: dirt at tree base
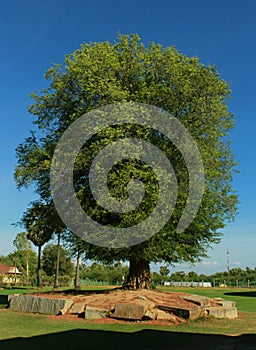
105, 298
108, 299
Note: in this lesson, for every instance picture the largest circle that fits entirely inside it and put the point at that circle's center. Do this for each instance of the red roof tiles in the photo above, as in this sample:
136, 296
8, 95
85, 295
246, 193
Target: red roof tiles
8, 269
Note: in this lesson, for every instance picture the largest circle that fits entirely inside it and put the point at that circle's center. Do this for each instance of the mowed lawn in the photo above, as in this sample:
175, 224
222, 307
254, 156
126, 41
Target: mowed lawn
29, 331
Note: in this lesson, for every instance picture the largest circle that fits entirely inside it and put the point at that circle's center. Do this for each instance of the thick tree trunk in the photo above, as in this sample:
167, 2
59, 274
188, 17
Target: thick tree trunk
56, 279
77, 278
39, 279
139, 274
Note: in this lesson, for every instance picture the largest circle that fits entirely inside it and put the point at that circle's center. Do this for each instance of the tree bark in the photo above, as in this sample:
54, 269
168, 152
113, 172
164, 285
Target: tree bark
39, 279
139, 274
56, 279
77, 278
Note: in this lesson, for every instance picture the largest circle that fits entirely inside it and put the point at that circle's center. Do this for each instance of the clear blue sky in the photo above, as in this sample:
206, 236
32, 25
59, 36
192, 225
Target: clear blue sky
35, 34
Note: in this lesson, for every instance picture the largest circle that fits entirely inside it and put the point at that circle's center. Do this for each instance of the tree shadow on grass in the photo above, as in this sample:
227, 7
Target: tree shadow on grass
242, 294
69, 292
142, 340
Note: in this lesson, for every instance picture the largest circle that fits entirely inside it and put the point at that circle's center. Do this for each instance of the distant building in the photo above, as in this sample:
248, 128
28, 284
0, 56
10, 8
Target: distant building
8, 274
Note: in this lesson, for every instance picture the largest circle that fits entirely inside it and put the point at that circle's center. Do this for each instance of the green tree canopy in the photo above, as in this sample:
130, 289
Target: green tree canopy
103, 73
38, 221
164, 271
112, 274
21, 242
24, 255
49, 257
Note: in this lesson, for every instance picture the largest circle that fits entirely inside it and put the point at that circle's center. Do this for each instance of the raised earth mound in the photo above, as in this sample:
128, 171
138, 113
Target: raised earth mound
122, 305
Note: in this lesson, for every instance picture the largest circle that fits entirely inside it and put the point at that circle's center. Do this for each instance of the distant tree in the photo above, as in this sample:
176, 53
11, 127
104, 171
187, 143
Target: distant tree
22, 262
37, 222
49, 261
178, 276
237, 271
250, 273
203, 278
7, 260
76, 246
192, 276
21, 242
118, 272
156, 278
164, 271
23, 251
58, 228
112, 274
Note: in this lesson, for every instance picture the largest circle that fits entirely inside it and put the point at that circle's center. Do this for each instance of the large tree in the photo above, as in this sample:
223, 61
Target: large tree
102, 73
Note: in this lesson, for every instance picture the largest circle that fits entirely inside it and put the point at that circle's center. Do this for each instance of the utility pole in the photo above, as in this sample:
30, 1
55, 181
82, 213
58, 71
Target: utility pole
228, 260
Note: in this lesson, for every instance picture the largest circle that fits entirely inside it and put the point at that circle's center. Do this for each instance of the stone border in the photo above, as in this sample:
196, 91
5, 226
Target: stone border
145, 310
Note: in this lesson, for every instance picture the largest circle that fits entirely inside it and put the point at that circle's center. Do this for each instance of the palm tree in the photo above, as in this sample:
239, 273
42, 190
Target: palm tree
37, 222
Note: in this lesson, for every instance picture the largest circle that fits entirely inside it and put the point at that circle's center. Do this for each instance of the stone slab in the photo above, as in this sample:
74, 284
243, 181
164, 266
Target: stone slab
68, 304
93, 313
35, 304
141, 297
197, 299
165, 316
150, 315
222, 312
129, 311
77, 308
227, 303
187, 313
218, 299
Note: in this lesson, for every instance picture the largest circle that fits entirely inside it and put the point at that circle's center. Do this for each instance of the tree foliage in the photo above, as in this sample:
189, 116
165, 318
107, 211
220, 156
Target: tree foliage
102, 73
66, 267
164, 271
111, 274
38, 221
21, 242
236, 276
24, 255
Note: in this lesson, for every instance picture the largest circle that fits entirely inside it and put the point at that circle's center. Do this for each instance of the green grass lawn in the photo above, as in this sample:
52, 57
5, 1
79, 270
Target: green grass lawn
245, 298
42, 329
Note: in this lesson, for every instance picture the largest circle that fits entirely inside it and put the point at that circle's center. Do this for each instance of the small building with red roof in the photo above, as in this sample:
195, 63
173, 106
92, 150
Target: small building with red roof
8, 273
